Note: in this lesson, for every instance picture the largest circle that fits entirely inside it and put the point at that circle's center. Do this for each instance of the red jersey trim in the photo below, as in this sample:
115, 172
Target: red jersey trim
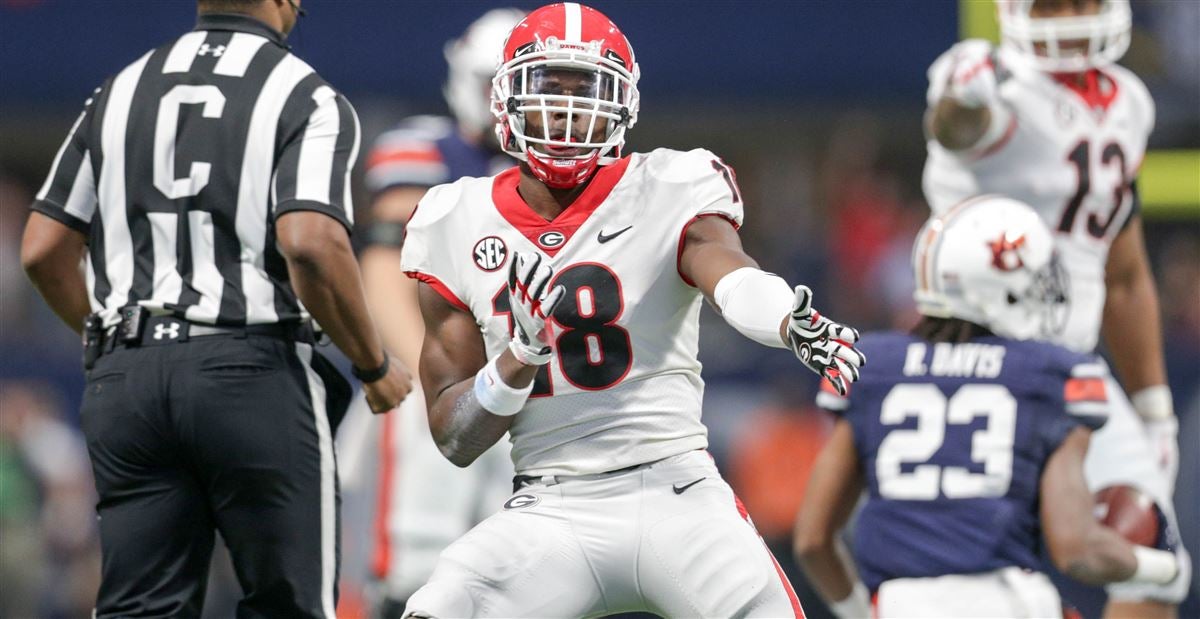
683, 236
516, 211
440, 288
1091, 92
1085, 390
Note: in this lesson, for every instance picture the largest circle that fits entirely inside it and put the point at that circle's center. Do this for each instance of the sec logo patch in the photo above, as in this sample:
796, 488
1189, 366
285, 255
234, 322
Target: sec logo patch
551, 239
521, 500
490, 253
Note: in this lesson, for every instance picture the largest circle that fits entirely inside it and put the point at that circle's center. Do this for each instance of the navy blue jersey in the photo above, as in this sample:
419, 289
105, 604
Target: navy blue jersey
952, 440
424, 151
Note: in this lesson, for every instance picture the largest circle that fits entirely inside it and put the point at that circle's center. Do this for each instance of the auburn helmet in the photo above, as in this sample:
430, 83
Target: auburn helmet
472, 59
991, 260
570, 67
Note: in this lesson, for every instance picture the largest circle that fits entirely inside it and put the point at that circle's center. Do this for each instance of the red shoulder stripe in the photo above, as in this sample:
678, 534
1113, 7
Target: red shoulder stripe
380, 157
1085, 390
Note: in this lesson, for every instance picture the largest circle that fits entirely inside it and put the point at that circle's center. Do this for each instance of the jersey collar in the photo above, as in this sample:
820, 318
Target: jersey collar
240, 23
540, 232
1098, 92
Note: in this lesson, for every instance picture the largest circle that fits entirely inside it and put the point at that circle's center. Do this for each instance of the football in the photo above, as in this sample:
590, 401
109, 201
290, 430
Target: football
1130, 512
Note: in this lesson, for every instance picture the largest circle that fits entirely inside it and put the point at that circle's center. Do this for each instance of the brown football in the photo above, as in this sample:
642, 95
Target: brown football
1130, 512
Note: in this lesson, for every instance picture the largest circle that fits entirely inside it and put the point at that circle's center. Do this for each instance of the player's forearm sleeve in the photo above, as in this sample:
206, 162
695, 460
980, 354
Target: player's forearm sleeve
755, 303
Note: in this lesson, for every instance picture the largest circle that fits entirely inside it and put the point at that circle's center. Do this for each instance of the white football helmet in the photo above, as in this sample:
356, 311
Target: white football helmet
472, 59
991, 260
1055, 44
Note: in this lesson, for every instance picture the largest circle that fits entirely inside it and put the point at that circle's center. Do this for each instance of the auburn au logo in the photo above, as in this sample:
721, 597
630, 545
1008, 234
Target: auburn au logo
1005, 252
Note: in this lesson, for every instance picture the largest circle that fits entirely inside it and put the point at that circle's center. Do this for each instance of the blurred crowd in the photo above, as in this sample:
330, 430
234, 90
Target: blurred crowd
836, 206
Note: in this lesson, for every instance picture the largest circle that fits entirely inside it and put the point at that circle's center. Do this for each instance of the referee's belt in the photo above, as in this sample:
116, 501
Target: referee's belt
139, 328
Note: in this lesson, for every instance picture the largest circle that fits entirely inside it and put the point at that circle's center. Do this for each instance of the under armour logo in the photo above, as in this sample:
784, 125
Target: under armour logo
205, 49
169, 330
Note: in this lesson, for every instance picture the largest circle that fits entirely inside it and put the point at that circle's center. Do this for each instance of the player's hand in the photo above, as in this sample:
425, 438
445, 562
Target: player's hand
826, 347
972, 79
1163, 435
386, 393
531, 301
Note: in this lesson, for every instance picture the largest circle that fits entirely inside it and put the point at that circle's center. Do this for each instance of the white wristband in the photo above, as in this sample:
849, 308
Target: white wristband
857, 605
1154, 566
1153, 403
495, 396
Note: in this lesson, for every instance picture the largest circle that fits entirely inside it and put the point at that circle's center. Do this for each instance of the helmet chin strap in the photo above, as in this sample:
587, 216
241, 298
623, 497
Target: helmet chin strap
300, 12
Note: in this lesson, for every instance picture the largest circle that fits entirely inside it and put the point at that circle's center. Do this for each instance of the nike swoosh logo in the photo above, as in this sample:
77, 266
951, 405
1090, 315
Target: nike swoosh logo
604, 238
681, 489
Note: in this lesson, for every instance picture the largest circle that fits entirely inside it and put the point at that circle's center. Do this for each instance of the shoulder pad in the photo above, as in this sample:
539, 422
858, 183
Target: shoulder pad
675, 166
1132, 86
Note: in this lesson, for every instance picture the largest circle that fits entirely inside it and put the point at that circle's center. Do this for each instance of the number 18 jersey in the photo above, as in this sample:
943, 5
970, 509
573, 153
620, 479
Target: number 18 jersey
1070, 153
952, 440
623, 386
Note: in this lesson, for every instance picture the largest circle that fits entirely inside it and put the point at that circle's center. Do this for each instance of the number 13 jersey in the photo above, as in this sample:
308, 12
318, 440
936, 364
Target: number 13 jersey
1070, 153
623, 387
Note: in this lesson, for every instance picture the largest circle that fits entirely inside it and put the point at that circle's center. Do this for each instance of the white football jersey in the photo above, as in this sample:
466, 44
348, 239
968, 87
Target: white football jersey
1073, 160
624, 386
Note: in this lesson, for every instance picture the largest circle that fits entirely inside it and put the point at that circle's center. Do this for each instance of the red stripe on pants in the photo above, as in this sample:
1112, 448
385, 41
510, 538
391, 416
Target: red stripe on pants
787, 586
381, 557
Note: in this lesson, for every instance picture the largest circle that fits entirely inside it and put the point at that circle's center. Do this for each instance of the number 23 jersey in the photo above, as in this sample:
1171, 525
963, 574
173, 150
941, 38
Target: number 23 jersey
952, 440
1071, 154
623, 387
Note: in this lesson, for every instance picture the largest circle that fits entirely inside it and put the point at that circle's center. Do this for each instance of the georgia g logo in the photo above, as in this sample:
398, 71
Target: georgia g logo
521, 500
490, 253
551, 239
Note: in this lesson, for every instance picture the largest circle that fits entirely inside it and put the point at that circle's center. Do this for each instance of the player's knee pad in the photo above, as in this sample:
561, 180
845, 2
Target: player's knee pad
440, 600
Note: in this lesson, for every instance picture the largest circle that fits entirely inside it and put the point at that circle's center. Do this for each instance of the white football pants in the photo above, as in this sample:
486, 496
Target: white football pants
1010, 592
667, 537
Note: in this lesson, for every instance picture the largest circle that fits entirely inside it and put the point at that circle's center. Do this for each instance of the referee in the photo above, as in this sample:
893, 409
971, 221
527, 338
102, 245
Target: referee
206, 186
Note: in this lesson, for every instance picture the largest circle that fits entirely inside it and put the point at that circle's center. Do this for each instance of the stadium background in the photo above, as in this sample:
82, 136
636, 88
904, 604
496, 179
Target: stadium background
817, 105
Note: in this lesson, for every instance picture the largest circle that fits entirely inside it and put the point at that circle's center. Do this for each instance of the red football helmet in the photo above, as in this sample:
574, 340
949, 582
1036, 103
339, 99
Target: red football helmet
571, 66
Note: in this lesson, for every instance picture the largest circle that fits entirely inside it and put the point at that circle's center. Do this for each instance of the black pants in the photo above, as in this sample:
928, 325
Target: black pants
217, 433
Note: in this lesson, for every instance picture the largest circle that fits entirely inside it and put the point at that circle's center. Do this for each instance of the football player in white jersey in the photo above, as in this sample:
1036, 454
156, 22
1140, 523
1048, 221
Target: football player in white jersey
422, 502
561, 301
1049, 119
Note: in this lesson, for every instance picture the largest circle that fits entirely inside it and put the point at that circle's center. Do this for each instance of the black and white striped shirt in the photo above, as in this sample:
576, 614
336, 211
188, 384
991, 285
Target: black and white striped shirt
179, 165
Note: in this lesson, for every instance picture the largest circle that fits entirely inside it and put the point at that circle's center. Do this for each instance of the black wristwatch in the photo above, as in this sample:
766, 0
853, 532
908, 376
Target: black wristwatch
370, 376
